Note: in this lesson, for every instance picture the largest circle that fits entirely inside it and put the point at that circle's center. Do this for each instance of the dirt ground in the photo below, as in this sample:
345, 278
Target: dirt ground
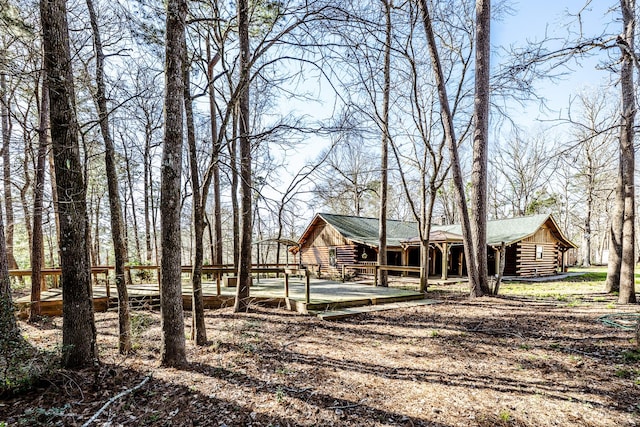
508, 361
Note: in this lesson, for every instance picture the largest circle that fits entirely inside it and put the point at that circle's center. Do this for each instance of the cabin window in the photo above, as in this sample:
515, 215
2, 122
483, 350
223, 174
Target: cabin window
333, 259
539, 251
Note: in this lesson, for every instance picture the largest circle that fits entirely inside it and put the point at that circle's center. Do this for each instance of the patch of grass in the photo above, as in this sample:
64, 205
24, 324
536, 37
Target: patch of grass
280, 395
505, 416
42, 416
23, 366
140, 322
590, 276
248, 348
283, 371
623, 373
631, 355
611, 306
434, 334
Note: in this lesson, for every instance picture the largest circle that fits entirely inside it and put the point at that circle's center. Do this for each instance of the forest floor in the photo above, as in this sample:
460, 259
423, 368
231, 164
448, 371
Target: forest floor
536, 356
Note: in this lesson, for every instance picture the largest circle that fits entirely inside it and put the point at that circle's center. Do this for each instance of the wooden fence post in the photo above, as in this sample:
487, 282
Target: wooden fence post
286, 284
306, 287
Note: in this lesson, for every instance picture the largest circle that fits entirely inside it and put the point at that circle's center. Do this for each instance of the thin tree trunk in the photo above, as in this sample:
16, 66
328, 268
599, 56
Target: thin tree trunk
37, 249
384, 149
198, 330
173, 340
134, 216
612, 283
78, 326
54, 197
480, 149
117, 225
6, 169
426, 225
233, 163
217, 204
627, 277
9, 332
502, 251
244, 264
25, 188
449, 132
147, 195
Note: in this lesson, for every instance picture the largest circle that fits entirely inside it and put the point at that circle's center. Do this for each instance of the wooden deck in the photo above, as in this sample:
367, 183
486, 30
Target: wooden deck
324, 295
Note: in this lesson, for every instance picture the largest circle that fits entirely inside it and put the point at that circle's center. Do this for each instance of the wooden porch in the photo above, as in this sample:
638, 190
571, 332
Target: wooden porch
294, 291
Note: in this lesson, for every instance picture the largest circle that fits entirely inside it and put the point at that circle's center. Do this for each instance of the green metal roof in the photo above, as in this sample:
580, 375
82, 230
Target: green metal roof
365, 230
512, 230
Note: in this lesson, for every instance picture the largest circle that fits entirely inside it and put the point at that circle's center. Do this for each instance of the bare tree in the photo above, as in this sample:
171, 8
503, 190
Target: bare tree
5, 119
625, 189
78, 327
246, 210
589, 157
199, 196
384, 145
37, 247
480, 150
117, 224
524, 169
450, 138
173, 340
9, 331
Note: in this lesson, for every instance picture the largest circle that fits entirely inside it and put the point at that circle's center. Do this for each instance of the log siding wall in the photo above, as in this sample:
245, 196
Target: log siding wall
527, 264
315, 250
520, 259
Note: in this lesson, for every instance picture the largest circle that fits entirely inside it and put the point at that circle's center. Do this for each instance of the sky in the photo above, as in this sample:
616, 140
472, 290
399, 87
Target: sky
531, 21
528, 20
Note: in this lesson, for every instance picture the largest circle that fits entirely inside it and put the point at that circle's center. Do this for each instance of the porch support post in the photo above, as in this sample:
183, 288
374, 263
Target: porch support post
404, 259
445, 261
497, 251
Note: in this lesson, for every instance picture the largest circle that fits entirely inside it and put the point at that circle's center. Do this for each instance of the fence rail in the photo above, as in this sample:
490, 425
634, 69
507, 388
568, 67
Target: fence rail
373, 269
216, 270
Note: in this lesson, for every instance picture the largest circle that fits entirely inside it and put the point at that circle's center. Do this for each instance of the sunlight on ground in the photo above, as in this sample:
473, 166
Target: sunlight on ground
571, 291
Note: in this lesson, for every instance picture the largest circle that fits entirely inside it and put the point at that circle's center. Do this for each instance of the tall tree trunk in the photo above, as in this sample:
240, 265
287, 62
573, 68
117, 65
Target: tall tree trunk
9, 331
612, 283
627, 123
173, 340
134, 216
384, 148
117, 225
427, 215
215, 162
198, 330
54, 197
37, 248
27, 162
244, 264
6, 169
78, 326
233, 163
481, 148
586, 237
449, 133
147, 196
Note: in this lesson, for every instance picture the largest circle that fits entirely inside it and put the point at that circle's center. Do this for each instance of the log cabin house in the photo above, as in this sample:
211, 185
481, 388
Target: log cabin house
535, 245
